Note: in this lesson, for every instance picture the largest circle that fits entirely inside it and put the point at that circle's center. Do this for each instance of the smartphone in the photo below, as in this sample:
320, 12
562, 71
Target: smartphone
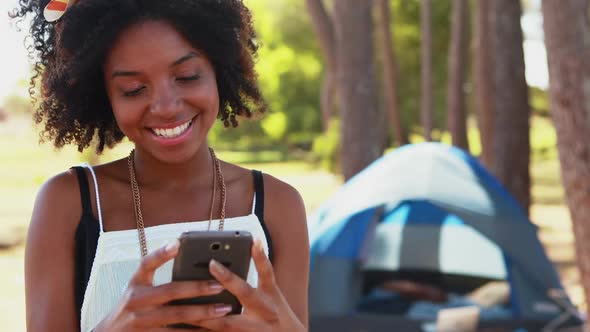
198, 248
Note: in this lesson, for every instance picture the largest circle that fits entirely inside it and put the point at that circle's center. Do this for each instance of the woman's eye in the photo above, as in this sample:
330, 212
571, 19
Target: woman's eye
133, 93
188, 78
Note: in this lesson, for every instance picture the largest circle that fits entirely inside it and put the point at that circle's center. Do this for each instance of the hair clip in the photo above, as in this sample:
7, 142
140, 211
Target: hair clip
55, 9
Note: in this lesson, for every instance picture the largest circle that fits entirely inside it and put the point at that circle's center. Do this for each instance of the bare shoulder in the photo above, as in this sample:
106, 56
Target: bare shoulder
48, 282
56, 213
282, 198
284, 213
58, 203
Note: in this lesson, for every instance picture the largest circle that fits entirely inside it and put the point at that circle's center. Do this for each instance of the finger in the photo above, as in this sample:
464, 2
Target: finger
249, 297
232, 323
266, 276
145, 273
174, 314
162, 294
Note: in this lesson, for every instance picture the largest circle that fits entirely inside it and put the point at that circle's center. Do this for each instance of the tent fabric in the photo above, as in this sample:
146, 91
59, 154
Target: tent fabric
448, 204
436, 231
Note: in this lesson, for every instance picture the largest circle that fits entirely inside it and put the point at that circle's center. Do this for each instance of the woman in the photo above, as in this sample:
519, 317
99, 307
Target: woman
101, 239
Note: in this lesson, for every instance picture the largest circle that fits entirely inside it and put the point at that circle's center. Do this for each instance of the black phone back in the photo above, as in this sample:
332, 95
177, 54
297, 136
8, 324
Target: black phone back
198, 248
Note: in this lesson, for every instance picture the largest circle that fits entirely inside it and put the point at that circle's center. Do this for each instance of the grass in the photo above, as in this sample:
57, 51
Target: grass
26, 165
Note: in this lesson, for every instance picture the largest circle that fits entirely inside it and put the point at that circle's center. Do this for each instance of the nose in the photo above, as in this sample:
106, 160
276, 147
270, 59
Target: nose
166, 103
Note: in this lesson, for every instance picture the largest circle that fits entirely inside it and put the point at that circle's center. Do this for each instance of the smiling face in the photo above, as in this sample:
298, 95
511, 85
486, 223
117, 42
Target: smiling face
162, 90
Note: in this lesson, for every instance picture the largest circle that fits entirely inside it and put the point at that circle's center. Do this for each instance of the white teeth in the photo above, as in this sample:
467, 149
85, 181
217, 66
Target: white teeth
172, 132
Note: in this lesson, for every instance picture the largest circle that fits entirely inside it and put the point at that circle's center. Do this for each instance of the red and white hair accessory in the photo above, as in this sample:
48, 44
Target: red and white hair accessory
56, 8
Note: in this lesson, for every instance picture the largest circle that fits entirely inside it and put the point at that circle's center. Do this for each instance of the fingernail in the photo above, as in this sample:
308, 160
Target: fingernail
259, 245
215, 287
216, 267
258, 248
222, 309
172, 247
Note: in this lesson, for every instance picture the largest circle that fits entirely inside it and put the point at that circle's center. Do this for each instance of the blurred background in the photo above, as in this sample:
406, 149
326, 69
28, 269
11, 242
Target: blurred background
348, 81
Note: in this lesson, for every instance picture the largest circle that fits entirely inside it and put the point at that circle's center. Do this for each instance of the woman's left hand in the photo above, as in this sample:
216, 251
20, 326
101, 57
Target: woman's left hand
265, 307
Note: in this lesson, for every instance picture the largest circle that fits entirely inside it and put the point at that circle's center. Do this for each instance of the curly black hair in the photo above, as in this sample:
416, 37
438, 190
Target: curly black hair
69, 57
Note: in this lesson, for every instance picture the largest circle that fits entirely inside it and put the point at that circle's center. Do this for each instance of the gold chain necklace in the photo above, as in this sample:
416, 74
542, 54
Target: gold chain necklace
137, 198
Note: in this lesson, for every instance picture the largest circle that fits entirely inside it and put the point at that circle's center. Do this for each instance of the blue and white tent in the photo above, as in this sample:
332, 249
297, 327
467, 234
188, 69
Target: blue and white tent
429, 211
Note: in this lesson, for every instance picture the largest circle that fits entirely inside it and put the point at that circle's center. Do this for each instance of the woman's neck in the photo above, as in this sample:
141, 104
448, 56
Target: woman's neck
195, 172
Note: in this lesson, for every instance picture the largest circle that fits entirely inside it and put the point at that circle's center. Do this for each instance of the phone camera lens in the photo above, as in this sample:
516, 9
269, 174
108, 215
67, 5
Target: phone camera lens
215, 246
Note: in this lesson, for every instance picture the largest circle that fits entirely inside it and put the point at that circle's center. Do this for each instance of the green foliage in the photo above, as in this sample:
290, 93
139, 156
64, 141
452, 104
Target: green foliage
275, 126
289, 67
250, 157
249, 135
445, 137
326, 147
539, 101
17, 104
406, 29
543, 139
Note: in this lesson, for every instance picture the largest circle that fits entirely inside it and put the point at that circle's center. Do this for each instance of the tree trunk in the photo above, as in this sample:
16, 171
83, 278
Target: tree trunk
456, 117
362, 141
389, 72
484, 87
324, 29
426, 113
511, 147
567, 37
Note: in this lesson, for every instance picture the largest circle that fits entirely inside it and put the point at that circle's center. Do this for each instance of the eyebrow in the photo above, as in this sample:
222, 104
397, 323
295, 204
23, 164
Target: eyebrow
190, 55
187, 57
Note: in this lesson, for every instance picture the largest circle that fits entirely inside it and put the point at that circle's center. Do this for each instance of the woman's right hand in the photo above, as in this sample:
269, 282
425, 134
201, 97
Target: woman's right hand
143, 306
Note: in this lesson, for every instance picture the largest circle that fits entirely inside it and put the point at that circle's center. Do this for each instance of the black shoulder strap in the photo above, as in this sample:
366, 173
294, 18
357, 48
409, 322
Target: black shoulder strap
84, 190
259, 192
86, 241
259, 208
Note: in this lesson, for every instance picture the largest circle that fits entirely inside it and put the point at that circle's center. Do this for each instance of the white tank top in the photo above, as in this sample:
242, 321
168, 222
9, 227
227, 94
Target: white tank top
118, 257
